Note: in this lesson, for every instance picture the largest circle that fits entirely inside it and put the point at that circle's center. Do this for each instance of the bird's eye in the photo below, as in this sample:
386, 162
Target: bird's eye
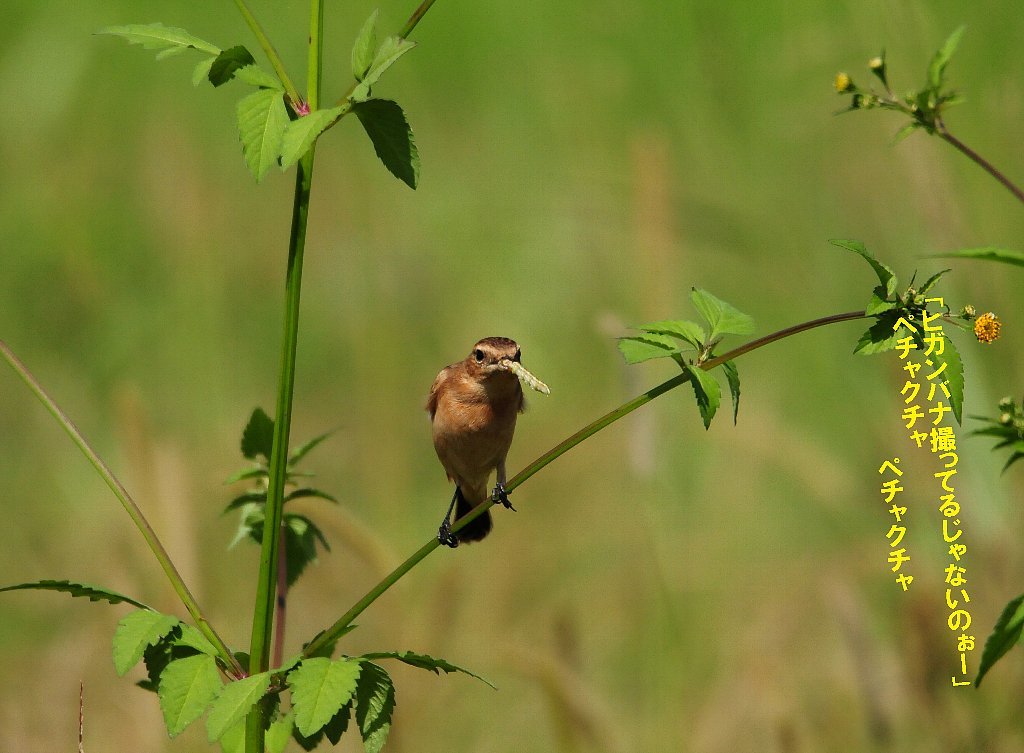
478, 355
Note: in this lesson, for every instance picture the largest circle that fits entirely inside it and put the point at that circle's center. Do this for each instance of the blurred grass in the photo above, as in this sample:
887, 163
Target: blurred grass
584, 164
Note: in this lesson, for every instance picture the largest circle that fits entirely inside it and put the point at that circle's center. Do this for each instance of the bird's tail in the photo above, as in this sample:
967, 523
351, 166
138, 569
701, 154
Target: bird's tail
476, 530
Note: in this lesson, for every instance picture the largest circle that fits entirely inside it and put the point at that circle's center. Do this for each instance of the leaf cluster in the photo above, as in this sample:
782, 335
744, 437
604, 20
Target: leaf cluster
301, 534
924, 106
1007, 427
891, 307
274, 126
676, 338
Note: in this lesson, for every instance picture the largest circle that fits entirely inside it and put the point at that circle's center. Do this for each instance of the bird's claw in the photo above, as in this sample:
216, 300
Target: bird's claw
445, 535
500, 495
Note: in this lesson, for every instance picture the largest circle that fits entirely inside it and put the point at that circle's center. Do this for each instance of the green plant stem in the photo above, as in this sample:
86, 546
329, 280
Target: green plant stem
316, 52
338, 628
415, 18
130, 507
271, 53
949, 138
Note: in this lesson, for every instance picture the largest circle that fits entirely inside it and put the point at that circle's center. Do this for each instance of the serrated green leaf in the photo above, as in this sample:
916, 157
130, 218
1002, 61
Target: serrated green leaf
302, 132
262, 119
159, 655
880, 336
256, 76
93, 593
364, 46
937, 67
135, 632
732, 375
878, 304
1005, 636
375, 702
301, 535
691, 332
187, 686
228, 62
638, 348
233, 741
320, 687
422, 661
338, 725
706, 391
304, 449
990, 253
258, 435
250, 517
723, 318
930, 282
886, 276
385, 124
256, 496
246, 474
159, 37
234, 702
191, 636
202, 70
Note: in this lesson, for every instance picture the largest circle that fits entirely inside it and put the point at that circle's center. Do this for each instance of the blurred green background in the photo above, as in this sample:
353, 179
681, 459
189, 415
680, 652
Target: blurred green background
662, 588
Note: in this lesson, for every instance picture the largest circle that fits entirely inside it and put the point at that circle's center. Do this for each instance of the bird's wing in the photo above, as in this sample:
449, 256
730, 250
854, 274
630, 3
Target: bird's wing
432, 400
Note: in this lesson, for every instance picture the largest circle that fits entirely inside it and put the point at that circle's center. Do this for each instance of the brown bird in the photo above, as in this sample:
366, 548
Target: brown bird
473, 407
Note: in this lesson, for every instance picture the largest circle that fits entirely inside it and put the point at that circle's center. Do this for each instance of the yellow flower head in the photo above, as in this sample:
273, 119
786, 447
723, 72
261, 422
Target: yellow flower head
842, 83
986, 328
876, 63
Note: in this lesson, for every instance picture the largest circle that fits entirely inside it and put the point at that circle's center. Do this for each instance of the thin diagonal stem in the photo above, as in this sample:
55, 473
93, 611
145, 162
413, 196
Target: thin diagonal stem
130, 507
338, 628
983, 163
270, 51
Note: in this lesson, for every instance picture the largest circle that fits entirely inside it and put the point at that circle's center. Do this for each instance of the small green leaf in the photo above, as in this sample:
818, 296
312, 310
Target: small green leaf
258, 435
637, 348
375, 702
187, 686
422, 661
256, 76
306, 491
691, 332
878, 303
385, 124
732, 375
160, 37
246, 474
304, 449
930, 282
94, 593
234, 702
990, 253
233, 741
954, 374
320, 687
202, 70
135, 632
262, 119
338, 725
1017, 455
279, 733
937, 68
255, 496
885, 275
302, 132
1005, 636
723, 318
301, 535
389, 52
191, 636
880, 336
228, 62
365, 44
707, 392
905, 131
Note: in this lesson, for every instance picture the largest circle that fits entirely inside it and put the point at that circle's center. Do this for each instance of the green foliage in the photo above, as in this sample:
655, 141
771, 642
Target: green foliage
235, 700
320, 688
673, 337
170, 40
1007, 427
300, 134
924, 106
385, 124
186, 687
258, 436
135, 632
364, 47
1005, 635
990, 253
262, 119
228, 62
387, 55
889, 307
93, 593
375, 702
422, 661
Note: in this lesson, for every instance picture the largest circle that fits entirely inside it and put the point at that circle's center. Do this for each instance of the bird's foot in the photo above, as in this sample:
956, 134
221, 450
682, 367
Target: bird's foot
500, 495
445, 535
